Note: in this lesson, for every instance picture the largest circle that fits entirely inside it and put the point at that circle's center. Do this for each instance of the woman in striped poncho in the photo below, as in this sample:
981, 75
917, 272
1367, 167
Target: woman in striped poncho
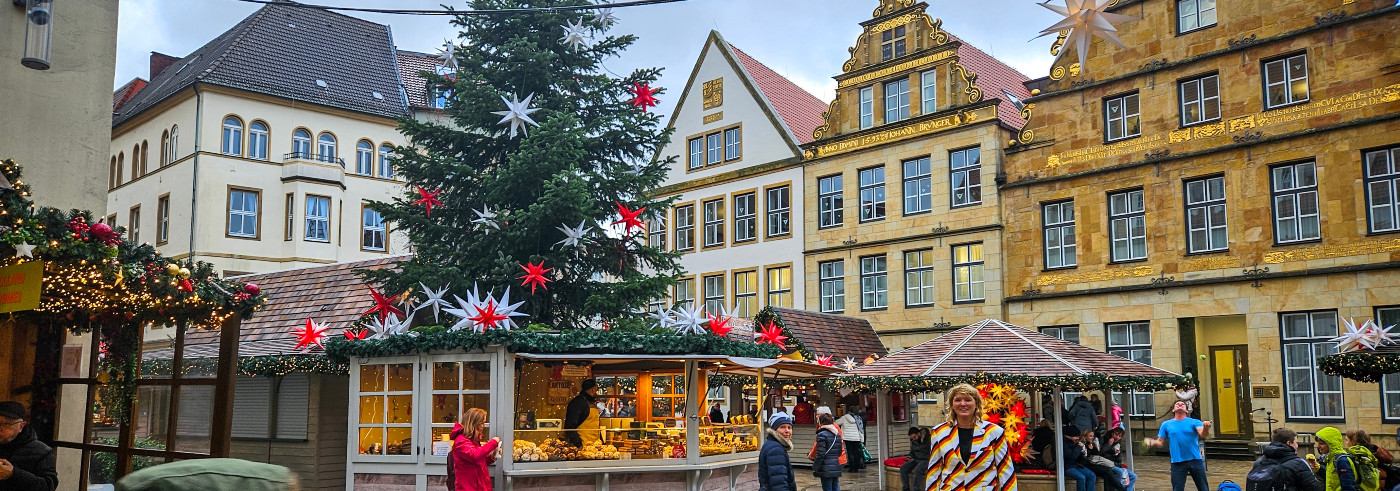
968, 453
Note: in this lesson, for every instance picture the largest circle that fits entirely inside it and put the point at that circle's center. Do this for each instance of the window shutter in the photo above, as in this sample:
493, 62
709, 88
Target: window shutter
293, 406
196, 404
250, 407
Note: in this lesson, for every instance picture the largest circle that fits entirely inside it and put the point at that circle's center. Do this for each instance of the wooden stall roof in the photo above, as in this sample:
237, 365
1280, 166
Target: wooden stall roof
832, 335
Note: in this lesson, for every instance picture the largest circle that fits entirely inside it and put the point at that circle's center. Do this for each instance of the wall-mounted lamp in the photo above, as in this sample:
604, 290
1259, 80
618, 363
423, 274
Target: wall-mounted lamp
38, 32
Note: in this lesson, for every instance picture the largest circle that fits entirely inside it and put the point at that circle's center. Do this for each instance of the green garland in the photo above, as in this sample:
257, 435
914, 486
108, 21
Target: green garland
436, 338
793, 344
249, 366
1363, 366
1075, 383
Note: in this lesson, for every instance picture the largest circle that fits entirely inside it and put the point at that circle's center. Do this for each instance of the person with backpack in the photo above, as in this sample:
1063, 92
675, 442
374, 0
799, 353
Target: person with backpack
826, 453
1335, 469
1281, 469
1363, 456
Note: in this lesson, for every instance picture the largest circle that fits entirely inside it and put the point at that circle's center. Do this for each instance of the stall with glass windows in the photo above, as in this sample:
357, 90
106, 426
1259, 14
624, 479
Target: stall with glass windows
646, 424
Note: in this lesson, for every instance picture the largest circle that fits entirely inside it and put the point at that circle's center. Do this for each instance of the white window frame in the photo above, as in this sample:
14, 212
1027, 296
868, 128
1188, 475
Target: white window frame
872, 194
1191, 15
779, 286
832, 282
1390, 383
685, 292
745, 217
697, 153
733, 144
1289, 78
918, 185
874, 283
1125, 216
969, 273
1061, 247
326, 147
714, 148
964, 167
354, 416
1382, 177
919, 278
1318, 343
778, 200
746, 302
376, 228
685, 227
928, 92
257, 140
232, 141
1295, 188
301, 144
1132, 345
313, 220
237, 215
896, 100
656, 232
1206, 215
830, 212
867, 107
364, 158
163, 219
713, 288
1129, 117
1193, 94
386, 162
713, 215
1062, 333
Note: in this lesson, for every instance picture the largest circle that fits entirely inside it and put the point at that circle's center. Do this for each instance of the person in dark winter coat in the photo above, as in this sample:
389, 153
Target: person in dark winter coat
581, 414
1282, 467
26, 464
1074, 453
826, 465
911, 474
1082, 415
774, 467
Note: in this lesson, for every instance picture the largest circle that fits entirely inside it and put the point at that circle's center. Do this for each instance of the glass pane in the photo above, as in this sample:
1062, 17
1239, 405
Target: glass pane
445, 408
661, 407
152, 417
372, 409
1329, 405
476, 375
193, 430
371, 378
1300, 404
401, 377
1324, 324
1283, 178
102, 470
1117, 335
446, 376
661, 384
400, 409
400, 441
1140, 334
372, 441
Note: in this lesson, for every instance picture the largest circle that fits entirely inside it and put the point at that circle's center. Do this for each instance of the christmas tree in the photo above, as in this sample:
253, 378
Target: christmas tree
546, 151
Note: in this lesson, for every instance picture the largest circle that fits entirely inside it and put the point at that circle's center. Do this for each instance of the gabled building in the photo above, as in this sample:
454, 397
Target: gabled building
903, 217
738, 182
260, 150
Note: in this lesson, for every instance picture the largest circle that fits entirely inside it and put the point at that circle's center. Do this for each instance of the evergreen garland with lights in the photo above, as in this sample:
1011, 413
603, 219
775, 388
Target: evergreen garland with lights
1071, 383
437, 338
794, 345
1362, 366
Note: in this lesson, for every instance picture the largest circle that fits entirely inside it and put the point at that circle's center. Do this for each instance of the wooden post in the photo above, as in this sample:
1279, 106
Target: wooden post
221, 427
1058, 406
883, 413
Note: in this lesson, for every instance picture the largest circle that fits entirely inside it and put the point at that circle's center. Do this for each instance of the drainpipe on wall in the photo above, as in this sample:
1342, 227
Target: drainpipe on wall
194, 182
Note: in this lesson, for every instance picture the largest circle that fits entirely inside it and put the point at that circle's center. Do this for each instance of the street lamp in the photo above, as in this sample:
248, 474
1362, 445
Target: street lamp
38, 32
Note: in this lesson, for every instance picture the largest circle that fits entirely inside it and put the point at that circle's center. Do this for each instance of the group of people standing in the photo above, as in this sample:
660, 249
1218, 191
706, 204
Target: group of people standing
1349, 462
839, 448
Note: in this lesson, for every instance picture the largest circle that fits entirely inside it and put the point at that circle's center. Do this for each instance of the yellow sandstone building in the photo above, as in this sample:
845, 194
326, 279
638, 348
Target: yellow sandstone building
1218, 198
903, 218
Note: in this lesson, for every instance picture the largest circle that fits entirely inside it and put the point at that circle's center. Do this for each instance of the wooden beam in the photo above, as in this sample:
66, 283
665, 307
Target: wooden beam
221, 428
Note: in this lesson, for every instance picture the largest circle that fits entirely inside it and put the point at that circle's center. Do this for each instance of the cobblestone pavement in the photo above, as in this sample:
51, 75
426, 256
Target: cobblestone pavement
1154, 474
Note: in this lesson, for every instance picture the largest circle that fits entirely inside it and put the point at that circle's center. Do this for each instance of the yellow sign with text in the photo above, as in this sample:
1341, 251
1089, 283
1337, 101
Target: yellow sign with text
20, 285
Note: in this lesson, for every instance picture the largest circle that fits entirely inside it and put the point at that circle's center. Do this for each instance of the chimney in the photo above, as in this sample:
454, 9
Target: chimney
159, 62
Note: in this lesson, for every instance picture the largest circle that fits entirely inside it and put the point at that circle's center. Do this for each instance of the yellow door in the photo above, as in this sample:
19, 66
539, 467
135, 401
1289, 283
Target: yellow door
1227, 386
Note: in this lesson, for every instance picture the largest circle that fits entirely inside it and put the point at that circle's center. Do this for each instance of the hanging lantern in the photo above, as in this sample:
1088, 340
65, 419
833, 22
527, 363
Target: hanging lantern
38, 32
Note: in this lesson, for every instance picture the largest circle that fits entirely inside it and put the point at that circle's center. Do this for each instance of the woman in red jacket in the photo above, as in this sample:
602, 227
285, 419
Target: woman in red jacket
466, 466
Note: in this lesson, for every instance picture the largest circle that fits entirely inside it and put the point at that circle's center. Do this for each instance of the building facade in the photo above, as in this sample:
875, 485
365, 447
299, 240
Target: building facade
257, 163
903, 217
1218, 198
737, 182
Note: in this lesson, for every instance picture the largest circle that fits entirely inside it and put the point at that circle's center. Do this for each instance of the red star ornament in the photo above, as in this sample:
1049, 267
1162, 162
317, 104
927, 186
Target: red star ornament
487, 316
994, 418
772, 334
629, 218
309, 334
719, 325
355, 335
1019, 409
383, 305
534, 276
428, 199
825, 361
644, 96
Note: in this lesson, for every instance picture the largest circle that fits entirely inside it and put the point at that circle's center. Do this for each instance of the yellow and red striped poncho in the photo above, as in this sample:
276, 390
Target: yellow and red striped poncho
988, 468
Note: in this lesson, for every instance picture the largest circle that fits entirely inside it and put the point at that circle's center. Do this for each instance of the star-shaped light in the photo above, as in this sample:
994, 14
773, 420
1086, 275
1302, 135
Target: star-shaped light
1019, 409
573, 236
1350, 338
434, 299
487, 316
463, 314
689, 320
24, 249
772, 334
644, 96
719, 323
629, 218
573, 34
355, 334
386, 327
663, 317
849, 364
428, 199
825, 361
604, 17
448, 54
382, 305
635, 168
517, 114
310, 333
1085, 19
486, 218
534, 276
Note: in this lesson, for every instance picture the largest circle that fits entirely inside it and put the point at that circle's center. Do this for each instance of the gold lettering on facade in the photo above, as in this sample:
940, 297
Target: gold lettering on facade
710, 118
885, 72
1178, 136
1204, 263
1243, 123
1088, 276
1330, 251
1102, 151
895, 22
1209, 130
713, 93
916, 129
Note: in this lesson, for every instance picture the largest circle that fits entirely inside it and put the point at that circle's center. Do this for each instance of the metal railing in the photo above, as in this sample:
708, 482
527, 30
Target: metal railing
313, 157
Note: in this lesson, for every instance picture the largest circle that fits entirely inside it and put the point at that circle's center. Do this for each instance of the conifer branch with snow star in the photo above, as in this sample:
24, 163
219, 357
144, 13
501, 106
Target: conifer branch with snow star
486, 218
428, 199
573, 237
517, 114
434, 299
644, 96
605, 18
534, 276
573, 34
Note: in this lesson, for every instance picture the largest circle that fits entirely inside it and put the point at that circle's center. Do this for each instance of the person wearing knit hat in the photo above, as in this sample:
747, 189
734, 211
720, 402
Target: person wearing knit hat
26, 464
581, 415
774, 466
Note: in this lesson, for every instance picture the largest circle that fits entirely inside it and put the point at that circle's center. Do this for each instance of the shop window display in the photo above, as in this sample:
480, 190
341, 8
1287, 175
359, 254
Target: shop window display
386, 409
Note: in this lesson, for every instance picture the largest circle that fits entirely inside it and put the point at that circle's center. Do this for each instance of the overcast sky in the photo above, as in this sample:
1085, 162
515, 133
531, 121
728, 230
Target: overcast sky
804, 40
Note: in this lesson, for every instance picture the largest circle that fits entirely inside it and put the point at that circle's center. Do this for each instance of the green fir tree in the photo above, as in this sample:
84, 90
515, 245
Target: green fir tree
591, 151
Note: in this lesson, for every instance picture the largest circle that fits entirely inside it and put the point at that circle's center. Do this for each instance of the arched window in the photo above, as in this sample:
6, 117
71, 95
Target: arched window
121, 159
174, 144
233, 136
386, 170
325, 147
301, 144
144, 153
364, 158
112, 173
135, 162
257, 140
164, 148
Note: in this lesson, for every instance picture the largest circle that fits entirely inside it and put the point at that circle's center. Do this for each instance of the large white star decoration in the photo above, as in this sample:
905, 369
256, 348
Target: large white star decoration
1368, 334
604, 17
849, 364
382, 329
664, 317
434, 299
689, 320
448, 55
468, 310
573, 237
507, 309
517, 114
24, 249
486, 218
635, 168
1085, 19
573, 34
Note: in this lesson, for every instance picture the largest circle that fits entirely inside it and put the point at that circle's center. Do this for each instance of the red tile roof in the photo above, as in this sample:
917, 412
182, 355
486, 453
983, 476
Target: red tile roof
798, 109
993, 76
125, 93
993, 346
415, 85
832, 335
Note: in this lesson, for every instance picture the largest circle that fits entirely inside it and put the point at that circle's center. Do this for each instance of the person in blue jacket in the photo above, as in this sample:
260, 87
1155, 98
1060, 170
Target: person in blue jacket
774, 467
826, 465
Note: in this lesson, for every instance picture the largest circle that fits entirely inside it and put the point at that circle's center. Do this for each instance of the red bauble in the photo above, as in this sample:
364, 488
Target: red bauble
251, 289
103, 233
186, 285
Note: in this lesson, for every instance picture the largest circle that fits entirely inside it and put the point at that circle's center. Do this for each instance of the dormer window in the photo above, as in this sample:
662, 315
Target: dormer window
892, 43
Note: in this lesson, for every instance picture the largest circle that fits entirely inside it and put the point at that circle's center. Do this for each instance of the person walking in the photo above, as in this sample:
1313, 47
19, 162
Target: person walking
1335, 470
914, 468
1112, 449
1083, 415
850, 425
967, 451
26, 464
826, 463
774, 466
1281, 468
1182, 436
467, 461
